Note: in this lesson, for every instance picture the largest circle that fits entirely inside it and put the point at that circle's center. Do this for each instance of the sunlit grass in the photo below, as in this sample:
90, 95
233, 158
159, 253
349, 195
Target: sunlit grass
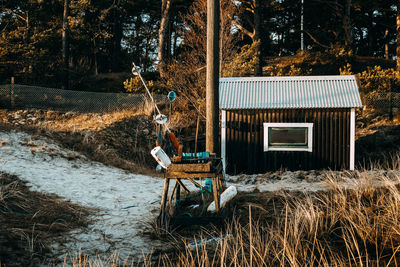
356, 222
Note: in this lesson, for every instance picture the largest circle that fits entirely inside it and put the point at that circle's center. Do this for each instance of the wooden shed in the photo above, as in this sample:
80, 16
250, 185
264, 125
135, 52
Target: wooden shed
295, 123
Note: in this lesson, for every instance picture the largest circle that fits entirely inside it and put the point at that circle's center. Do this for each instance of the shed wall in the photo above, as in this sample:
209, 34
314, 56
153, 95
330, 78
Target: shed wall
245, 133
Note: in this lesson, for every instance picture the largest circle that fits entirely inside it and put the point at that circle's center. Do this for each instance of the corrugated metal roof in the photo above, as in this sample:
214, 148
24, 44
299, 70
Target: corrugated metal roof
289, 92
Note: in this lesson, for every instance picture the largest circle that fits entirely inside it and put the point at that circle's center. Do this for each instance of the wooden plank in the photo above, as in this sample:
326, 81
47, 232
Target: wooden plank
164, 194
248, 140
257, 145
216, 194
197, 184
185, 175
182, 185
236, 142
267, 118
171, 196
322, 138
326, 135
334, 139
337, 141
331, 140
190, 167
315, 143
242, 147
163, 211
252, 145
229, 141
347, 123
341, 146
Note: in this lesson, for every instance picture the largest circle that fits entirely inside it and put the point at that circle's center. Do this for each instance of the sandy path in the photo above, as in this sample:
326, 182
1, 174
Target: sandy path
127, 202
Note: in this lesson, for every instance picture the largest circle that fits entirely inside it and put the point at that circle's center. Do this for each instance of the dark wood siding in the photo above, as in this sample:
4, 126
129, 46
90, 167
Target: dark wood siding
245, 140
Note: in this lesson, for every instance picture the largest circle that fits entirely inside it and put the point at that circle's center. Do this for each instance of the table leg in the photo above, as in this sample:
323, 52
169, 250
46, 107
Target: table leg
171, 196
216, 194
181, 184
221, 183
178, 196
164, 202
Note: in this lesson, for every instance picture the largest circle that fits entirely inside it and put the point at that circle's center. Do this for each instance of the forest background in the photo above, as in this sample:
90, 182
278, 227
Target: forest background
88, 45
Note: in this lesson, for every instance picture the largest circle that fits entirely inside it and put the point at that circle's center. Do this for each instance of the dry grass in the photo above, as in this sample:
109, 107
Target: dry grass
339, 227
121, 138
30, 220
78, 122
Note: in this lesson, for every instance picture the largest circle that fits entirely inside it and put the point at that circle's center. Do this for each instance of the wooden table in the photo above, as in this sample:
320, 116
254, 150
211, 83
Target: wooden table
190, 170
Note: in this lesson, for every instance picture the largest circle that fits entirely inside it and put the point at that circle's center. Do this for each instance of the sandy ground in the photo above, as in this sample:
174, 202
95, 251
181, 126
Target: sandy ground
127, 202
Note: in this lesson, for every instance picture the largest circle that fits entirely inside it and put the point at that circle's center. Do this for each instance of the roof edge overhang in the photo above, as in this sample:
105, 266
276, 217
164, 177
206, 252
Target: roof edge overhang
290, 78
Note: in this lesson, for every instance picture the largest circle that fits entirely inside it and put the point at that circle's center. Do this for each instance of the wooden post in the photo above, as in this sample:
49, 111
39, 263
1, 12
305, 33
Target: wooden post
212, 79
390, 106
12, 100
352, 138
216, 193
223, 140
164, 197
197, 135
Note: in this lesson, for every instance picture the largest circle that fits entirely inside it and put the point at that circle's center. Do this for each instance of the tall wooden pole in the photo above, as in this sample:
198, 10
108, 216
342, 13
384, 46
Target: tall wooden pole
398, 37
212, 98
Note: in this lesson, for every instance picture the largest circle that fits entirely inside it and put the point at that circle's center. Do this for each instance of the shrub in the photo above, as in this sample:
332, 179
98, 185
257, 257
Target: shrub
244, 63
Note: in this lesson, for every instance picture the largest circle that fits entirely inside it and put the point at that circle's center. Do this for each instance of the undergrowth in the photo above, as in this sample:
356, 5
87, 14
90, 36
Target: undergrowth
30, 220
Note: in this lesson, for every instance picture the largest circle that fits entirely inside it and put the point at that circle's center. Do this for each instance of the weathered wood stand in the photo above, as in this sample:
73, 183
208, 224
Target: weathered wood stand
191, 170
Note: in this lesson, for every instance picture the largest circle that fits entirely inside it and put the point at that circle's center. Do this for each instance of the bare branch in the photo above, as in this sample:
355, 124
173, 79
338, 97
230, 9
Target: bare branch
315, 40
15, 13
243, 29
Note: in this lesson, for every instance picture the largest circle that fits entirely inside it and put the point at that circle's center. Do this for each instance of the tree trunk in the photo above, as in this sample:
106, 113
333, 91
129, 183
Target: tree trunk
168, 41
255, 34
257, 38
165, 8
347, 24
96, 67
27, 29
398, 37
387, 43
370, 35
116, 41
65, 45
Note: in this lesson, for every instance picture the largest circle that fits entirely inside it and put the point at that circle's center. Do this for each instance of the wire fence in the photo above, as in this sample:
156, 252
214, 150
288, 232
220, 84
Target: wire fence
16, 96
388, 103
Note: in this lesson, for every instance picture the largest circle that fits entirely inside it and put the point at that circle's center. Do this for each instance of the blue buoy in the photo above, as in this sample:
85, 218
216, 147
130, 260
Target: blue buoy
171, 96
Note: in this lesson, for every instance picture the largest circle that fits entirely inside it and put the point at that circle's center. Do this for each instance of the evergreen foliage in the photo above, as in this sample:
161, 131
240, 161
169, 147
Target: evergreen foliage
105, 36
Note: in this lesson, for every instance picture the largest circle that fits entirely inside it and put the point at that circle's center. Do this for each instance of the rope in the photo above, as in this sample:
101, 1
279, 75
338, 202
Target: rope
135, 72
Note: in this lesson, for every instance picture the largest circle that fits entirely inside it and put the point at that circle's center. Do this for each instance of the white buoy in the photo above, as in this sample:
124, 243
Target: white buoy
161, 157
226, 196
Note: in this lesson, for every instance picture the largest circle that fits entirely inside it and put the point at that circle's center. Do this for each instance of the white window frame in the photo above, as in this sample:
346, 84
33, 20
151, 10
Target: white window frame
268, 125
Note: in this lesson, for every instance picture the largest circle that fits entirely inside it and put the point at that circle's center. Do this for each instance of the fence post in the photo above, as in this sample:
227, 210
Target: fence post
12, 100
390, 106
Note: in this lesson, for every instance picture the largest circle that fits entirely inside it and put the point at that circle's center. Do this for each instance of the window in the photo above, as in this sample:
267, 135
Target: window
288, 136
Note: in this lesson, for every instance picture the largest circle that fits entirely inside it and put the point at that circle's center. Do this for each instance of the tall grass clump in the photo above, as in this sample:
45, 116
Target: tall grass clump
340, 227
